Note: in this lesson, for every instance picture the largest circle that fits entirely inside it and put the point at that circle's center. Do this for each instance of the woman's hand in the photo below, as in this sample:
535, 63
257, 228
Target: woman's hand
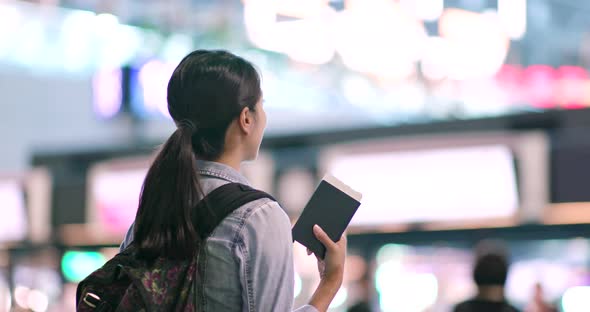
331, 269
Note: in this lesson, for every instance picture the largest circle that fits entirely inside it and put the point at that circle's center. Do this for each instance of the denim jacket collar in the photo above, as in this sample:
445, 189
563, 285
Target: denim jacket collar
221, 171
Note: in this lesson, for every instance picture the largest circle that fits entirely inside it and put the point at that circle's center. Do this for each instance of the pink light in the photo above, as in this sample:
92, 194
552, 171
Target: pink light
509, 75
13, 225
116, 216
571, 92
539, 85
116, 194
106, 87
509, 79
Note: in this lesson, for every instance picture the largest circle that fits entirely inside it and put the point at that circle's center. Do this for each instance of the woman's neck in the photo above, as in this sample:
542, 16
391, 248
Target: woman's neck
233, 161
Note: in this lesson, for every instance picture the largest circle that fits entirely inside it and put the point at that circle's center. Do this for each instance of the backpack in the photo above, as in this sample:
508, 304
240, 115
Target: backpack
126, 283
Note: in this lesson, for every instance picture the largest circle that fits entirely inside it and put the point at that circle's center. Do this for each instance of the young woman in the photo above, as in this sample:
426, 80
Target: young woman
215, 100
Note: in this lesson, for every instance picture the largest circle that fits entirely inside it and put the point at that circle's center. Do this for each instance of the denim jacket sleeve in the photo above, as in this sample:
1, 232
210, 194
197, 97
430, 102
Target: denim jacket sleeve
265, 251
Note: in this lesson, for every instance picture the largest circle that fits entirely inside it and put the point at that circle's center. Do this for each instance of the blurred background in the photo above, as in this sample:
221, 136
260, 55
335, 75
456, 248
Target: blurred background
459, 121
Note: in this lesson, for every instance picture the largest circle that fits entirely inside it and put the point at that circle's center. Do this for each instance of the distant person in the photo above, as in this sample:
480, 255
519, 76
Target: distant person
489, 274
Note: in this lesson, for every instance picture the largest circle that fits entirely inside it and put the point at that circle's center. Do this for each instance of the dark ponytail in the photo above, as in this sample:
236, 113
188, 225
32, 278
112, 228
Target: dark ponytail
169, 192
206, 92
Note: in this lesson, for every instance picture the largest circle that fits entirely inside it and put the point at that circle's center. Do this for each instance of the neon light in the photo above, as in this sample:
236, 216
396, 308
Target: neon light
571, 88
76, 265
509, 79
539, 85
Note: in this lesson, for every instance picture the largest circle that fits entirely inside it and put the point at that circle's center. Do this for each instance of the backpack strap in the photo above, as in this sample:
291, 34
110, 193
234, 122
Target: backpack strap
220, 203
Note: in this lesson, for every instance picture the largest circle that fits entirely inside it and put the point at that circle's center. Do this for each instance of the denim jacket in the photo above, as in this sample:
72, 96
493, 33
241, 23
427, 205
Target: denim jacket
249, 256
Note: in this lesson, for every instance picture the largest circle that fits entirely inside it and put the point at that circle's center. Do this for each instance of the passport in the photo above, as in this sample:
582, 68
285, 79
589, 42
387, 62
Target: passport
332, 206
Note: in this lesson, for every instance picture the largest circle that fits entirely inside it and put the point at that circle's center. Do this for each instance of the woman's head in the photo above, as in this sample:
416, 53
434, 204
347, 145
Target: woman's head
220, 94
215, 100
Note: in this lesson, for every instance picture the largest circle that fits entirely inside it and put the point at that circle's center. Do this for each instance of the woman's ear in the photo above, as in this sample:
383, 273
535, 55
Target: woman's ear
246, 120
